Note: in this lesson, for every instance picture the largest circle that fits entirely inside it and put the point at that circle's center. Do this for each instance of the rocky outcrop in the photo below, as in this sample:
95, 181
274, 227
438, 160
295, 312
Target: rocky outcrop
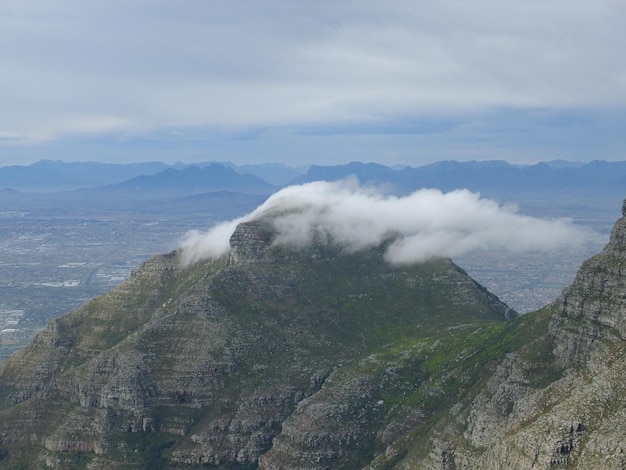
591, 313
556, 401
250, 240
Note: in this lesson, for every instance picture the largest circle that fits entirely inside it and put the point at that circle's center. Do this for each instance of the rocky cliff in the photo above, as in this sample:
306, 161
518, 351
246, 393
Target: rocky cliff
591, 313
277, 358
558, 400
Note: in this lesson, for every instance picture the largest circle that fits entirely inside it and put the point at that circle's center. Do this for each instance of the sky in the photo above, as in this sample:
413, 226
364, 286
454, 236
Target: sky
328, 82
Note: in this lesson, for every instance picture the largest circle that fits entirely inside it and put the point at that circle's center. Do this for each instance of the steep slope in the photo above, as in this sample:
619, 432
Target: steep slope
271, 357
591, 316
558, 400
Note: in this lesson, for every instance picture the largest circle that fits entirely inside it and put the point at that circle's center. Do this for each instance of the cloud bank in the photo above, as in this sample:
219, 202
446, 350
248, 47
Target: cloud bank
426, 224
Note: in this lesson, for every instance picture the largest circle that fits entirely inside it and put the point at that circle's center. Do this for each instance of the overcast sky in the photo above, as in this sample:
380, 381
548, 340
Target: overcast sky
393, 81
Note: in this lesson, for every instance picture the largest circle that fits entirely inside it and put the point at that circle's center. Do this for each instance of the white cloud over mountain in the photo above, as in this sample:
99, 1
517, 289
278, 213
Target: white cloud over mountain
427, 223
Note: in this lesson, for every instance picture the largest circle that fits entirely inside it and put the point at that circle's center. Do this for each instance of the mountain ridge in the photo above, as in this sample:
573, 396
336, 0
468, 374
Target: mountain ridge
489, 177
217, 357
273, 357
49, 175
213, 177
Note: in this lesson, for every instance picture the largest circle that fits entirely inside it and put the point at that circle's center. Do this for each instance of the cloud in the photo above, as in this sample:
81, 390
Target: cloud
196, 246
424, 225
154, 65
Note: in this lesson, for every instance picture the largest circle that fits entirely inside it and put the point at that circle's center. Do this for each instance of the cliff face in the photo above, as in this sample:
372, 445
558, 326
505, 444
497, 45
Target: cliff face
591, 313
271, 357
558, 400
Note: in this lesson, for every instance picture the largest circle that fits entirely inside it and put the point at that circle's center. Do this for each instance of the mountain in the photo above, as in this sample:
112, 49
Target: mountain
282, 358
582, 191
365, 172
491, 178
49, 176
277, 174
287, 356
194, 180
558, 400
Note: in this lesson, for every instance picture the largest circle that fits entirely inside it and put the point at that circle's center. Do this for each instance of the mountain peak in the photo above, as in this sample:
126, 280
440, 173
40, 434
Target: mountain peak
250, 240
273, 236
211, 364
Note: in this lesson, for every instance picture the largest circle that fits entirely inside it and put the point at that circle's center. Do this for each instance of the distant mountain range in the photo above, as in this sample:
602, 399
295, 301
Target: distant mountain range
557, 185
486, 176
49, 176
214, 177
489, 177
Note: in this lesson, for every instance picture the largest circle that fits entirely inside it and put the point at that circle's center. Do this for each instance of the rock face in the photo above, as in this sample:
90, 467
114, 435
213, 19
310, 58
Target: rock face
558, 400
250, 241
591, 314
274, 358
